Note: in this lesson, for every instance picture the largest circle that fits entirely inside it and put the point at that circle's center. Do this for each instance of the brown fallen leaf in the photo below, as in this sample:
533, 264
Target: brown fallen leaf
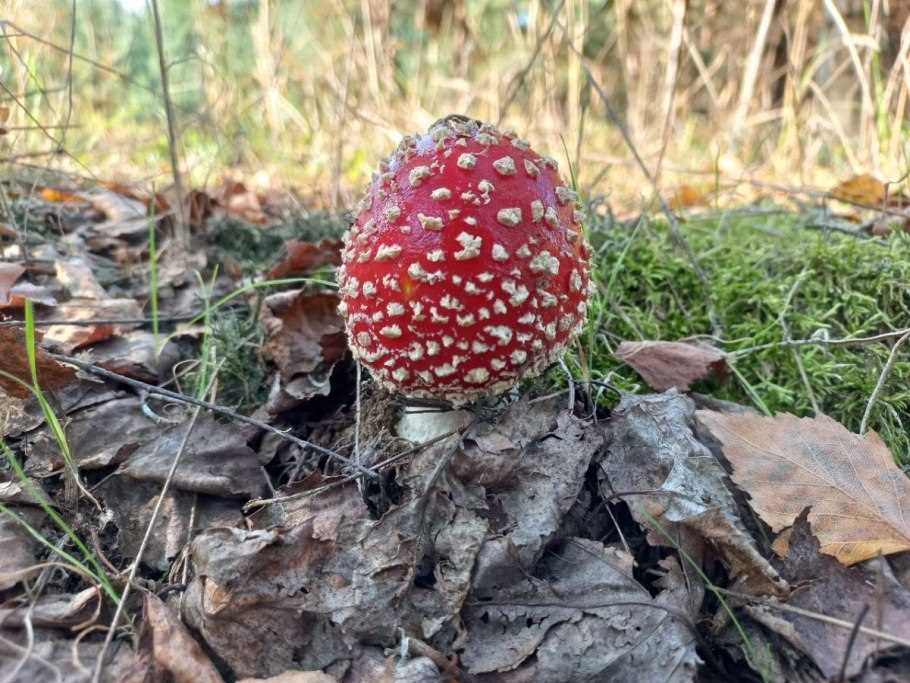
174, 654
14, 361
304, 257
72, 337
664, 364
860, 189
9, 273
685, 196
57, 195
859, 497
828, 588
304, 338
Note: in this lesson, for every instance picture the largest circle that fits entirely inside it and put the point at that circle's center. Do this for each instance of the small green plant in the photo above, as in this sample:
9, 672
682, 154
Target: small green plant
89, 566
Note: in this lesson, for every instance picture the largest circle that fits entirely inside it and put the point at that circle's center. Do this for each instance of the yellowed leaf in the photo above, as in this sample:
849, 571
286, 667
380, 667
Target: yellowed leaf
686, 196
55, 195
858, 497
860, 189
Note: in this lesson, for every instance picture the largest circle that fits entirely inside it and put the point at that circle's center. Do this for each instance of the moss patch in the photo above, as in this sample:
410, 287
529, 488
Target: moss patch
753, 259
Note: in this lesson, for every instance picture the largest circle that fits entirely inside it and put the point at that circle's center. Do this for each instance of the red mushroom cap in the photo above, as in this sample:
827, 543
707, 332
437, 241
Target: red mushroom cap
465, 268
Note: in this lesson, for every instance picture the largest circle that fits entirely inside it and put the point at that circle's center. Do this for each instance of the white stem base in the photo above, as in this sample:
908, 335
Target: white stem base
420, 427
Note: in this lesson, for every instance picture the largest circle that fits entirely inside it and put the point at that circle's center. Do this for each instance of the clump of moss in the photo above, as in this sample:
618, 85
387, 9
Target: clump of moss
766, 270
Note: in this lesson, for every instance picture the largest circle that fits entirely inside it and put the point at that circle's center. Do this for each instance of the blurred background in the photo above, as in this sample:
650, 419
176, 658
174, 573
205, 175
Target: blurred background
309, 94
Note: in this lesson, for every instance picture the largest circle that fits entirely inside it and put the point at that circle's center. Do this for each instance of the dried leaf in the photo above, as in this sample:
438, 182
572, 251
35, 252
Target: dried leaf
582, 618
685, 197
860, 189
217, 460
827, 587
14, 361
126, 217
76, 275
9, 273
677, 486
857, 494
57, 195
54, 611
304, 257
238, 201
665, 365
533, 460
17, 547
72, 337
304, 339
174, 654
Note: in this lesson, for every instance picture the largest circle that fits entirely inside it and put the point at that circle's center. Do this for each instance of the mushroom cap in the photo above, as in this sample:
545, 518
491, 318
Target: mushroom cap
466, 268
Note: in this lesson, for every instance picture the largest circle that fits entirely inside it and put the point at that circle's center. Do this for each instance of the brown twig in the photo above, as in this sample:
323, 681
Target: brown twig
181, 229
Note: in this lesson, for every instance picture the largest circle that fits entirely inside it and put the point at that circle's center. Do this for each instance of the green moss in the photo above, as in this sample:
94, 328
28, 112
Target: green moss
848, 287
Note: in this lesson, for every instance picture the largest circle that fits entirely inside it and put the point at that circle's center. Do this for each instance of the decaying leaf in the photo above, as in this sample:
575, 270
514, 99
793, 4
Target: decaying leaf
676, 487
61, 610
217, 460
305, 257
685, 197
859, 498
126, 217
9, 273
665, 365
533, 461
17, 547
14, 361
825, 587
582, 617
304, 339
173, 653
72, 337
132, 503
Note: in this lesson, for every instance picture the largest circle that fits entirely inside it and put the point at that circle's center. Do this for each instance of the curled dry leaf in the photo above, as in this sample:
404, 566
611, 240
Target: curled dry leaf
304, 257
665, 365
677, 488
829, 588
14, 361
17, 547
859, 497
173, 653
685, 197
304, 338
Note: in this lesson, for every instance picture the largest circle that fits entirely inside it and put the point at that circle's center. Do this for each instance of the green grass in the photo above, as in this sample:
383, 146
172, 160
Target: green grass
848, 287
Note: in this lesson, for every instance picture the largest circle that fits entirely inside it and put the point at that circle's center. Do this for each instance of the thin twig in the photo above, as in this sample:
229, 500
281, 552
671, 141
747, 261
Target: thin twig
846, 341
882, 378
102, 321
842, 675
519, 79
220, 410
181, 231
99, 664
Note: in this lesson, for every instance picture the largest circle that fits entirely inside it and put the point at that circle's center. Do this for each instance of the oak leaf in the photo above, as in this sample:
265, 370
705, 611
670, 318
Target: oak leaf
14, 361
859, 498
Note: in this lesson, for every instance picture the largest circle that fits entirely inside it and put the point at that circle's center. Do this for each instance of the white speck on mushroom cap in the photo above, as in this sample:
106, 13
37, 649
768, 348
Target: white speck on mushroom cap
509, 217
466, 160
499, 253
430, 222
505, 166
386, 252
551, 217
391, 331
531, 169
392, 212
441, 193
544, 262
470, 246
417, 175
536, 210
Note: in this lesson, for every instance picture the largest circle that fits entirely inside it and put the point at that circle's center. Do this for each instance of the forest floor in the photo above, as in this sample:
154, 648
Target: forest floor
196, 487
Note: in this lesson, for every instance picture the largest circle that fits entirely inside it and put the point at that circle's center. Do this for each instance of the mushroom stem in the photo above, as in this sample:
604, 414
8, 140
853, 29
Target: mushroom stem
420, 425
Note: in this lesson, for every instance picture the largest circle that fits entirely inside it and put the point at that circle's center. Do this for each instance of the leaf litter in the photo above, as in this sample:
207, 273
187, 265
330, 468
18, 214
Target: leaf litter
534, 543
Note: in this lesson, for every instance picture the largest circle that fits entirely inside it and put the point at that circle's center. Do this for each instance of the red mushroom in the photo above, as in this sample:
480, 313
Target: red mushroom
465, 268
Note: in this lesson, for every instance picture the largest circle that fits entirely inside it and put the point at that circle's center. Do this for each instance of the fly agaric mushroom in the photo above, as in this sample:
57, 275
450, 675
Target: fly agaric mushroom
465, 268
